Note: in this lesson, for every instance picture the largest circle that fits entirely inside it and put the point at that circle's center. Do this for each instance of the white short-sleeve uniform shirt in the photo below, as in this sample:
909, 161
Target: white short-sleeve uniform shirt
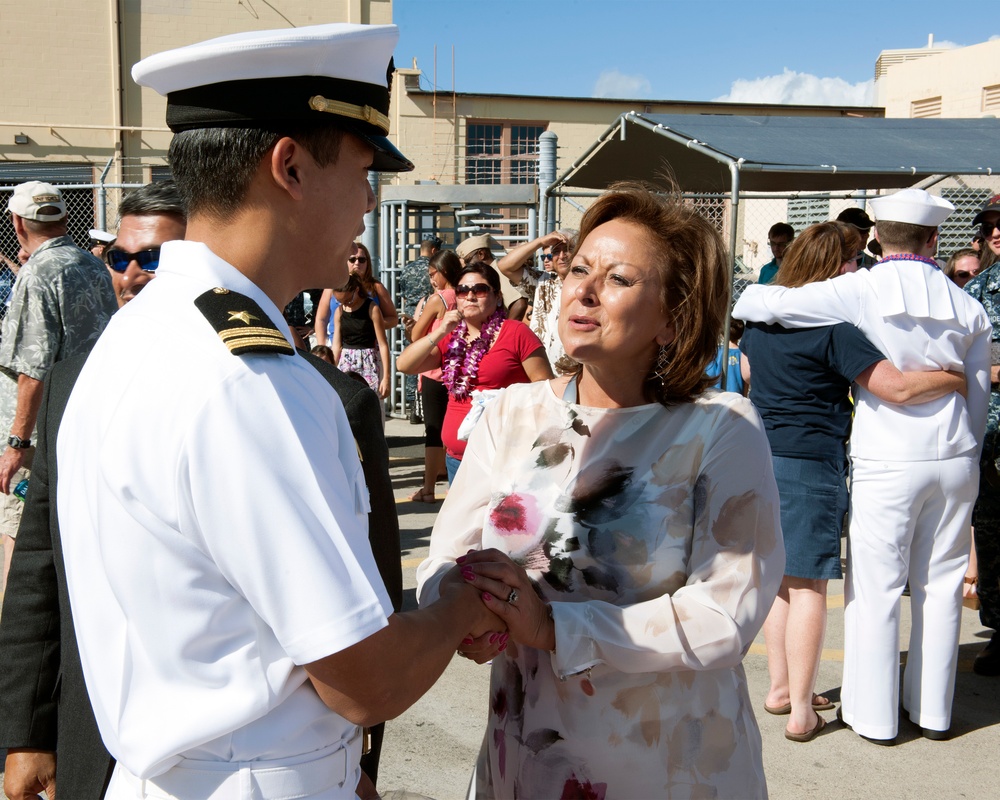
214, 520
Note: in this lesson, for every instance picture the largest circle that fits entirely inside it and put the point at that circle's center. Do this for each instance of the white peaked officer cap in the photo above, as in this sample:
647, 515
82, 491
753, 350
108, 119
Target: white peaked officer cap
273, 79
914, 206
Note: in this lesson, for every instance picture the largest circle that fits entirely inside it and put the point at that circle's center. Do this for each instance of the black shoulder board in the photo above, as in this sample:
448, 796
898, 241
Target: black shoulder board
241, 323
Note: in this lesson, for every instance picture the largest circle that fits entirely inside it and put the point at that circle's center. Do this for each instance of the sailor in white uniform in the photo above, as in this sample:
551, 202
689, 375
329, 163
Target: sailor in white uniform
233, 629
915, 468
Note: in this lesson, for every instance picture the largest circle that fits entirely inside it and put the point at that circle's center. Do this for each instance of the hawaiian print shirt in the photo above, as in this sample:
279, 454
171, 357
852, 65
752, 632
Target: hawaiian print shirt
61, 301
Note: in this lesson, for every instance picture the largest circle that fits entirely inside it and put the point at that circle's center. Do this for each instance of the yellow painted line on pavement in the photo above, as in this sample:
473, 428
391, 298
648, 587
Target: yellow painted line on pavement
835, 601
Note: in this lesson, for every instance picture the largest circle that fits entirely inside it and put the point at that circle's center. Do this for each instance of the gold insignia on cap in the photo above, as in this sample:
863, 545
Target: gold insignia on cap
241, 316
220, 290
364, 113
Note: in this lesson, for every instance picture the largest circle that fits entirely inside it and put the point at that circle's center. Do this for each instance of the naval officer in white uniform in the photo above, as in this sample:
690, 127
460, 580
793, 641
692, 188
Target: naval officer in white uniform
915, 468
233, 629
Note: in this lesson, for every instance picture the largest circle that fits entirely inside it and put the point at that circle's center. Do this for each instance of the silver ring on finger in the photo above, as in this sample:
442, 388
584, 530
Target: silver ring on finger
512, 597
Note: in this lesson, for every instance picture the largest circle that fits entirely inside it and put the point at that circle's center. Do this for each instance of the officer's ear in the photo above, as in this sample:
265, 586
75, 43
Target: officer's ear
287, 162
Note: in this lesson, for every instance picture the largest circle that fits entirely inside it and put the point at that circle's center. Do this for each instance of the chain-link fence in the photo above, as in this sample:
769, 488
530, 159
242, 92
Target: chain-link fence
88, 205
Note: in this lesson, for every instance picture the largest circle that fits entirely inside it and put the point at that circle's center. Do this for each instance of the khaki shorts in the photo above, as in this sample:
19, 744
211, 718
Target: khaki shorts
11, 506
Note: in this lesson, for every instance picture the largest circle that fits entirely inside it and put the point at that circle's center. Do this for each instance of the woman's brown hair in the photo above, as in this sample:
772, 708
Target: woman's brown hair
695, 280
818, 253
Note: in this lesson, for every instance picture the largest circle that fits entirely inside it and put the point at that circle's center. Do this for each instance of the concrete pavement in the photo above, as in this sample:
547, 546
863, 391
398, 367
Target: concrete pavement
429, 750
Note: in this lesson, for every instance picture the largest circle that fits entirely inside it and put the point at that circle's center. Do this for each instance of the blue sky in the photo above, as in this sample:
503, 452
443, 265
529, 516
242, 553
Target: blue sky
753, 51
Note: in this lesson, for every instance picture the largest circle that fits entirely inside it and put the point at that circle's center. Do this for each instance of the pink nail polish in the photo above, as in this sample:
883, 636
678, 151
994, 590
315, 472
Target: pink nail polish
487, 597
460, 560
502, 647
493, 638
468, 574
467, 640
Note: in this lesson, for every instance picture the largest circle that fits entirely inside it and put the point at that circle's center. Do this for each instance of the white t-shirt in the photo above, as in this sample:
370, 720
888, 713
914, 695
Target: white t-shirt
214, 519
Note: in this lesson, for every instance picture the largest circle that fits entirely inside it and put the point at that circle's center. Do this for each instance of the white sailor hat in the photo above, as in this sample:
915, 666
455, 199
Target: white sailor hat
39, 201
914, 206
267, 79
97, 235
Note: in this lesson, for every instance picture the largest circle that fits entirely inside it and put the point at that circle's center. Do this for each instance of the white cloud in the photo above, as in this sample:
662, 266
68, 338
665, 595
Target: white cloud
946, 44
612, 83
801, 89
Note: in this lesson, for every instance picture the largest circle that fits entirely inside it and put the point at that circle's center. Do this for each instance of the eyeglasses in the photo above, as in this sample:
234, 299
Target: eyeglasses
962, 274
987, 229
118, 260
479, 289
358, 260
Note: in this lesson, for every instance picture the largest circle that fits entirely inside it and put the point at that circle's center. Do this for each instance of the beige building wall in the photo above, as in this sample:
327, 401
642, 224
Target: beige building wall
964, 82
72, 94
430, 127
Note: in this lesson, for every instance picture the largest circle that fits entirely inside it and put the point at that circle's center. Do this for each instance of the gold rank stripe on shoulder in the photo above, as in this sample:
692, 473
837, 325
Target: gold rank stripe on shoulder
241, 323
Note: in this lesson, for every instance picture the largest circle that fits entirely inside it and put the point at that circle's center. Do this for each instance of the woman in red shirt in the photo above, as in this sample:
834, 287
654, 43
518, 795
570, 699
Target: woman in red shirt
476, 347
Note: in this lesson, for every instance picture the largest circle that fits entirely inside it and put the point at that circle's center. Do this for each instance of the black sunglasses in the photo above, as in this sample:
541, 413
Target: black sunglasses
987, 228
480, 290
118, 260
358, 260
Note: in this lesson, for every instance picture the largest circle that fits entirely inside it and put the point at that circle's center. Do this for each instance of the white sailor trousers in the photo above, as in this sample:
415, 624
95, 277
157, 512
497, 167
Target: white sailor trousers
909, 521
329, 774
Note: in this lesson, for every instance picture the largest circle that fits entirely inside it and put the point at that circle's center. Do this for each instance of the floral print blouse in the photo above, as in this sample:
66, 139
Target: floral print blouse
654, 534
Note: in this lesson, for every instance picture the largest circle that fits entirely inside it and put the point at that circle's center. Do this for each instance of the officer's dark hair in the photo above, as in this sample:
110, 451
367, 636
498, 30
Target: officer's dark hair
214, 167
160, 197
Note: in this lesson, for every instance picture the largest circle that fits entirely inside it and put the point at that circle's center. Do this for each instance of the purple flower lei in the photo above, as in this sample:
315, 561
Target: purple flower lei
462, 358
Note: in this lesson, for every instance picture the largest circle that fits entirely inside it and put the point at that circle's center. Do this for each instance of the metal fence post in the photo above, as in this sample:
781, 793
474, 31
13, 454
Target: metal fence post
547, 142
370, 237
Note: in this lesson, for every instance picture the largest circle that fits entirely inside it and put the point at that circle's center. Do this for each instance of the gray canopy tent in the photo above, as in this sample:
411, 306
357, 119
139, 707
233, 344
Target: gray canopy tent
716, 153
742, 154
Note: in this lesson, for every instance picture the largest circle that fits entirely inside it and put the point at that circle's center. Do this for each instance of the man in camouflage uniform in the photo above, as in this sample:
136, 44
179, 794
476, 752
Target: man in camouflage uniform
60, 303
985, 287
414, 285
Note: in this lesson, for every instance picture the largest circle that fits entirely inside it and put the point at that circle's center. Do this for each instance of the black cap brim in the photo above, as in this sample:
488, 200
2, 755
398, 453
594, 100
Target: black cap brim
979, 217
387, 158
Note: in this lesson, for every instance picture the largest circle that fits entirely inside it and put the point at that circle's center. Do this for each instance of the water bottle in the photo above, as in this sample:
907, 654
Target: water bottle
21, 489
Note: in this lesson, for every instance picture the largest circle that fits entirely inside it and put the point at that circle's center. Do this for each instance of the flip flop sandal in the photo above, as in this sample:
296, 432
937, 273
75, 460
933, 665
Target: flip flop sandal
809, 735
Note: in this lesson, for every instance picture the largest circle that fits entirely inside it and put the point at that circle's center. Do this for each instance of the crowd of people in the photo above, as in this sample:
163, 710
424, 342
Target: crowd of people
211, 607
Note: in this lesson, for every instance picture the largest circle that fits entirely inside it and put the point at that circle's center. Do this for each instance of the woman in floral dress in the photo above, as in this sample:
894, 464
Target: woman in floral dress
623, 522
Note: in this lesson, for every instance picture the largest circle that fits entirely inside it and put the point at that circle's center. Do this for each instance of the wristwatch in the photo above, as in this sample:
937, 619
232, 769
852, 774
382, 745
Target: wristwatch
18, 443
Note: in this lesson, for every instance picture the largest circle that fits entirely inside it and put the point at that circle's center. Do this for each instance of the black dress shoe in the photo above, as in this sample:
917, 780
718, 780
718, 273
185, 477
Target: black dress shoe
935, 736
988, 661
882, 742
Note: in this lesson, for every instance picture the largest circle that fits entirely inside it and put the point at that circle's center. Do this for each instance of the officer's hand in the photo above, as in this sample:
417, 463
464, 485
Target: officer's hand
28, 773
